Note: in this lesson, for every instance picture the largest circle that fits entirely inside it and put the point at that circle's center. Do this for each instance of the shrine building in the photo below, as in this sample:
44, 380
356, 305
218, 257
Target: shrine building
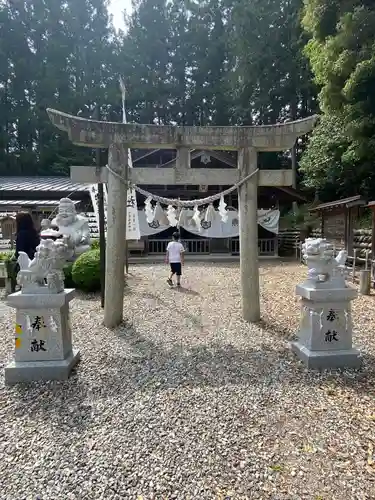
40, 196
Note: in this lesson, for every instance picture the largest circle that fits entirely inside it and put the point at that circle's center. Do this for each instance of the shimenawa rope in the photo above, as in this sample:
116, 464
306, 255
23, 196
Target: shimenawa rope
183, 203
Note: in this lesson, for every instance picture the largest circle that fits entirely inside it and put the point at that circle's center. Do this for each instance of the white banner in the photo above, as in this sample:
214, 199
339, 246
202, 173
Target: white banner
132, 213
138, 226
132, 229
105, 202
95, 204
269, 219
216, 229
132, 216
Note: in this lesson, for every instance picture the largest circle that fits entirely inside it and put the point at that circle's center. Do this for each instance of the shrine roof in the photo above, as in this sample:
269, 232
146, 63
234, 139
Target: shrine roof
293, 193
56, 183
352, 201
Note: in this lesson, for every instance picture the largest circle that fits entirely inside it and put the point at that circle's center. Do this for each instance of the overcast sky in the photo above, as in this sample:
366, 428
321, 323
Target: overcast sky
116, 9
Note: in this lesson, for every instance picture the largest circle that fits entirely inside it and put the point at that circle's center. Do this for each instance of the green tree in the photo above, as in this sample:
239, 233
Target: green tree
176, 58
209, 101
341, 52
186, 62
272, 79
55, 53
322, 164
146, 62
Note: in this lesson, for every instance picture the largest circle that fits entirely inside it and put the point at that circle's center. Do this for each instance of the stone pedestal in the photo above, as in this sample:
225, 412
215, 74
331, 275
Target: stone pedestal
365, 282
43, 337
325, 334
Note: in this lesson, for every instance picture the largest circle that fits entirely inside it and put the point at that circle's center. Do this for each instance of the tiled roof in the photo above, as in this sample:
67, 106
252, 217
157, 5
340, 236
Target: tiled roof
40, 184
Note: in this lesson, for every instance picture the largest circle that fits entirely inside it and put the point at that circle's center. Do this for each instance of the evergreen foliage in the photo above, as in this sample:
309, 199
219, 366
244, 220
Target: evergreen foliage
212, 62
86, 271
341, 153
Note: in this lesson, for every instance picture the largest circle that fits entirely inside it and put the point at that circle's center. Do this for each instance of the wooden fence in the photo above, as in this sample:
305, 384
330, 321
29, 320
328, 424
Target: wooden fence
290, 241
362, 241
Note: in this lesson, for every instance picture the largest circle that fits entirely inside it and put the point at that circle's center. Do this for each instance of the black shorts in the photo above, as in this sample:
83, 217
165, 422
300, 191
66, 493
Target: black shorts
176, 268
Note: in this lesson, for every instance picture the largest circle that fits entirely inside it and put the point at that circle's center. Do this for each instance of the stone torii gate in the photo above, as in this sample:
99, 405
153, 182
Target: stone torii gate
119, 137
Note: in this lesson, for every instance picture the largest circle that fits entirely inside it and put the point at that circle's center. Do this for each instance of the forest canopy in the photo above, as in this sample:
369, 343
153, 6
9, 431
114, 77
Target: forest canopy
212, 62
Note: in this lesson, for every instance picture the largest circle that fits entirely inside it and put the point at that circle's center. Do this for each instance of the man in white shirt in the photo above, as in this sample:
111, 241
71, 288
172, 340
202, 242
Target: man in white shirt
175, 257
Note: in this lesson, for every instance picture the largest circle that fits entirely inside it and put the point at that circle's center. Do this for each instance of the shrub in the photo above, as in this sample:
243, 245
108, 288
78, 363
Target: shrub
7, 256
68, 280
302, 218
95, 244
86, 271
12, 267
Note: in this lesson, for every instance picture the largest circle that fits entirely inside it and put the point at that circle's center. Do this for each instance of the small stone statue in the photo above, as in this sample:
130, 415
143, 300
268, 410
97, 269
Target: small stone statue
44, 274
70, 225
323, 267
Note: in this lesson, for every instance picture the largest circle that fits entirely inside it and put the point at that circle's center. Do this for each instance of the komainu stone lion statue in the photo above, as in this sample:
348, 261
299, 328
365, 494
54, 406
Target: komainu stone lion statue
323, 267
44, 273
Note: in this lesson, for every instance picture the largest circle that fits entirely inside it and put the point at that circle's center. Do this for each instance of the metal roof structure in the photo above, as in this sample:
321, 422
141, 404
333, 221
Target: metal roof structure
31, 203
57, 184
352, 201
3, 215
294, 193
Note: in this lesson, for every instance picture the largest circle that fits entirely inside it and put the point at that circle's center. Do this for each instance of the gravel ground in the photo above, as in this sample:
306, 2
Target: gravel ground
187, 401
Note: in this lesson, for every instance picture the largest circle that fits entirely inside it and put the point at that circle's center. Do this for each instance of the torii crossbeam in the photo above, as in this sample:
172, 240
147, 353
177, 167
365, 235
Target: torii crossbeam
119, 137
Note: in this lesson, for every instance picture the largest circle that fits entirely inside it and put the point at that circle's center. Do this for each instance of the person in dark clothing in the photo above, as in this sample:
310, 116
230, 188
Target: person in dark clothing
27, 237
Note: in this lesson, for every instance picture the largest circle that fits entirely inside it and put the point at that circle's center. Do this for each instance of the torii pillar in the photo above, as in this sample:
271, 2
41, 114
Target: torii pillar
117, 137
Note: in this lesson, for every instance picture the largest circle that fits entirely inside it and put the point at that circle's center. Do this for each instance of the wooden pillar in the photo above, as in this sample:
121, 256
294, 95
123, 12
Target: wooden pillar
346, 229
276, 243
373, 234
116, 234
350, 229
248, 205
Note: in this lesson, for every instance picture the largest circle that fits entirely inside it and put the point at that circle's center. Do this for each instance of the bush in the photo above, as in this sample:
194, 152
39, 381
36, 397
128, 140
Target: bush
365, 221
86, 271
95, 244
7, 256
68, 280
11, 264
301, 219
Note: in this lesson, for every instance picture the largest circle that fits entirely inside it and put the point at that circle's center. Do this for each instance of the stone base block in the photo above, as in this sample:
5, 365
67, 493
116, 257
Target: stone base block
325, 360
30, 371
